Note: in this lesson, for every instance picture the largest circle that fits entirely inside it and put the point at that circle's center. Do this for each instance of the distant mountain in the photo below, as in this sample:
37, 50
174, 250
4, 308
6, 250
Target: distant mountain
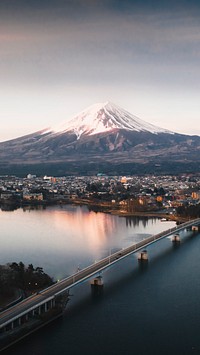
103, 137
102, 118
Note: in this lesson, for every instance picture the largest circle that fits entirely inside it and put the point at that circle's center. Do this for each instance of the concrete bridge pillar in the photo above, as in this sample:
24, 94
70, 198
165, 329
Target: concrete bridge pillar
97, 285
39, 310
176, 238
143, 256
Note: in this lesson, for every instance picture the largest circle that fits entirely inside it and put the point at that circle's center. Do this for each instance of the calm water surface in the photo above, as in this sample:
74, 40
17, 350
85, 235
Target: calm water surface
148, 310
61, 239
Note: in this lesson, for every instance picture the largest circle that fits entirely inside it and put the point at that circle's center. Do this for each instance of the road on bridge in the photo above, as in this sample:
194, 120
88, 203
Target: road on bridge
43, 296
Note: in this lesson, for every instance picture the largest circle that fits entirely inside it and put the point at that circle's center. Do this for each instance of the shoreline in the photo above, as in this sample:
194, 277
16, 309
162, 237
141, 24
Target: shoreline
104, 207
107, 208
150, 214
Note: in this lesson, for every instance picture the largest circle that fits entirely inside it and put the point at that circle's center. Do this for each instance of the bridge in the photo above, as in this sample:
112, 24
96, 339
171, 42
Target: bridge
54, 298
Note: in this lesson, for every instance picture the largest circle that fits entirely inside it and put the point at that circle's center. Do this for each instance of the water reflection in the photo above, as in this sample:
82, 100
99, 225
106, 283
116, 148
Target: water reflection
136, 220
91, 229
8, 208
61, 239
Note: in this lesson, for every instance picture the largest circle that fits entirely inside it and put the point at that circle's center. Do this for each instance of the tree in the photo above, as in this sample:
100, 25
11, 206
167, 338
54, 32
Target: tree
30, 268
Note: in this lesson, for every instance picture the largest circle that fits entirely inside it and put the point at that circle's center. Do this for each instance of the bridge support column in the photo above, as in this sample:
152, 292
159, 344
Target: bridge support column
97, 285
176, 238
39, 310
143, 256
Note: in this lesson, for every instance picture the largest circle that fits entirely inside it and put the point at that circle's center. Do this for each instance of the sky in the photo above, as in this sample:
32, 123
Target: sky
57, 57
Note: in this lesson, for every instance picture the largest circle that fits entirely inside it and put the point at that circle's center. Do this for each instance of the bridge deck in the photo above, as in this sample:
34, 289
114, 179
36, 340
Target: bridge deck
44, 296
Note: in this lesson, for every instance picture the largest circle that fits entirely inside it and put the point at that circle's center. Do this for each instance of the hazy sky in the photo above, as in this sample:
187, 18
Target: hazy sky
59, 56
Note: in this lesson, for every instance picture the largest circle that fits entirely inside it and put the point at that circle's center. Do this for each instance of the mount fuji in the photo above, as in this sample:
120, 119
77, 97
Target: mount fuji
105, 117
103, 137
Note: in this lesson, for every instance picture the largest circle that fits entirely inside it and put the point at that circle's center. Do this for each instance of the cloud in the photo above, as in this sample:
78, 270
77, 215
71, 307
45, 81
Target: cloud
116, 47
100, 47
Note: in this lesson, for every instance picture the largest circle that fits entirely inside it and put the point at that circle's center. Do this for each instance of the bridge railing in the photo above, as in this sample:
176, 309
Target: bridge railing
87, 272
105, 261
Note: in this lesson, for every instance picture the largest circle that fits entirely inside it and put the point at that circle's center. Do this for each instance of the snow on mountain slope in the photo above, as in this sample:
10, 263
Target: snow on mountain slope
104, 117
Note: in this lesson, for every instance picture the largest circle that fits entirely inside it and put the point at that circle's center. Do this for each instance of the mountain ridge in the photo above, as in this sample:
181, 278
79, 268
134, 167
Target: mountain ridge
103, 136
104, 117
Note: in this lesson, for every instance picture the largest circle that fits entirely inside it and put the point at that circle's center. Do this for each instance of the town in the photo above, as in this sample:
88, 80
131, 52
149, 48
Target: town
167, 194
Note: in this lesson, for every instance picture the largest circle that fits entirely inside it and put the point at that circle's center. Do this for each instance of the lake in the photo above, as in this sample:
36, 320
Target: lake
62, 238
151, 309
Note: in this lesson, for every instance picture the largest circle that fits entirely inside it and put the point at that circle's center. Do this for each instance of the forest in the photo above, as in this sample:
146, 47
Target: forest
18, 280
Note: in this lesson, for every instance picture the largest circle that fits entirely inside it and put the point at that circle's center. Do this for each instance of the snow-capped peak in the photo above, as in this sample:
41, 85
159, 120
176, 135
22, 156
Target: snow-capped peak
105, 117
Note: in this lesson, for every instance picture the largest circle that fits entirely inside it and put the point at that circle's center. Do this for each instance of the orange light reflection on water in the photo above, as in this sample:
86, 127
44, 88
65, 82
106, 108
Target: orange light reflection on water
93, 229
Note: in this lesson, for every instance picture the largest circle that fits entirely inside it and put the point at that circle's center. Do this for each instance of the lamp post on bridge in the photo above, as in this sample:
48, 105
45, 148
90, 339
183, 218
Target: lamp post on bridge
74, 275
110, 253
